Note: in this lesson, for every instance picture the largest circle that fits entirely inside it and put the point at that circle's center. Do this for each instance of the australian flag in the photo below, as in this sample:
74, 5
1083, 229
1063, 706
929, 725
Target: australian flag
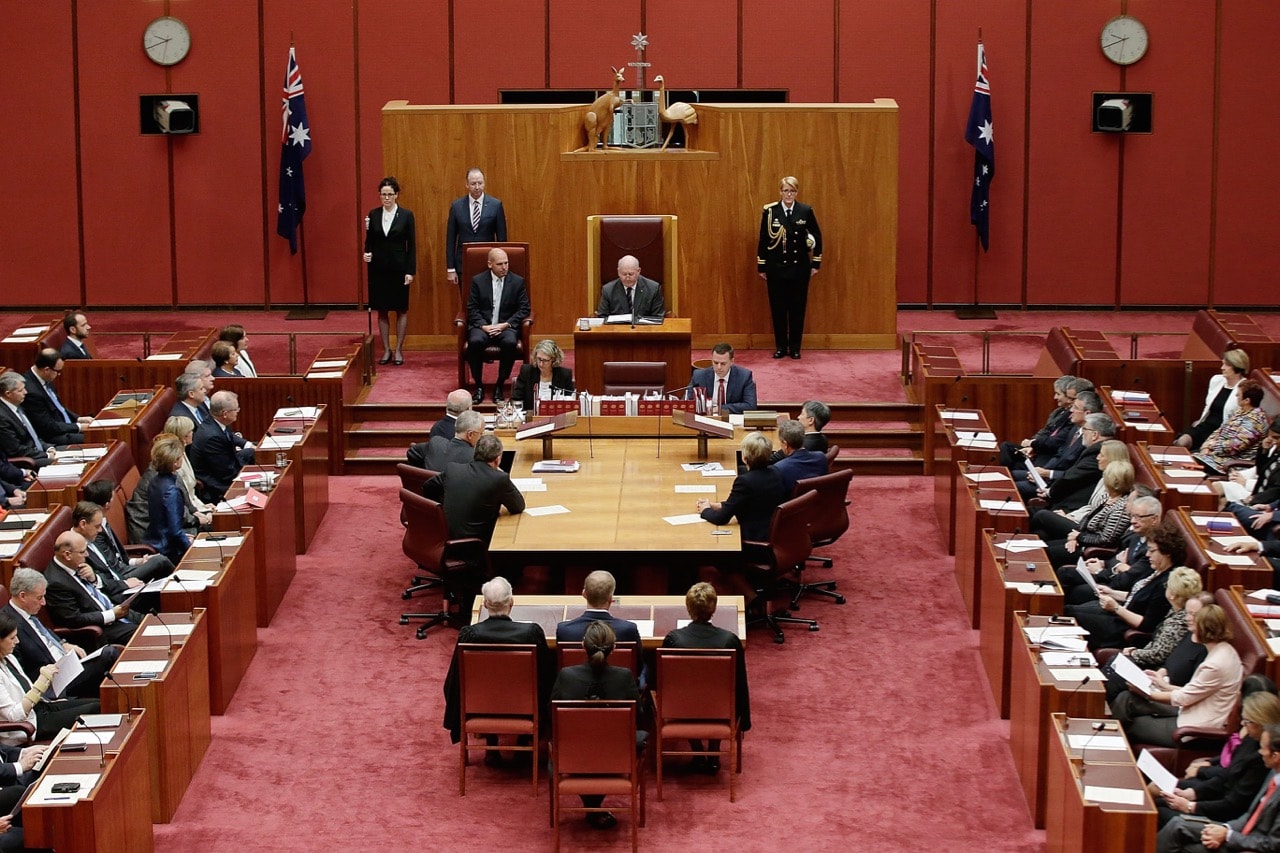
295, 145
978, 133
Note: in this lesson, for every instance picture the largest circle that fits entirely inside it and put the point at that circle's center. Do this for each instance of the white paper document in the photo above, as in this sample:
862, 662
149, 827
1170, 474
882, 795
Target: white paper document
686, 489
1230, 559
101, 721
1079, 673
976, 444
1191, 488
1087, 576
279, 442
1130, 396
677, 520
165, 356
1261, 594
1017, 546
1067, 659
951, 415
131, 667
12, 535
20, 339
701, 466
8, 549
87, 737
1183, 473
325, 374
1097, 740
69, 667
645, 627
329, 364
986, 477
1123, 796
964, 435
29, 330
1157, 772
1273, 644
1030, 587
43, 792
1228, 541
1010, 504
109, 422
308, 413
224, 544
554, 509
1122, 666
529, 484
194, 575
719, 472
1171, 457
70, 469
167, 630
1143, 426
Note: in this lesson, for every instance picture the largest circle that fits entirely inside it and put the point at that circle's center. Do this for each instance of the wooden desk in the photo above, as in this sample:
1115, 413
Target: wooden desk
36, 541
228, 602
949, 449
177, 700
663, 610
1255, 574
1136, 420
151, 414
1009, 586
21, 343
276, 558
310, 458
116, 815
86, 383
1034, 694
1003, 511
1215, 332
933, 372
1164, 462
669, 342
1075, 824
48, 489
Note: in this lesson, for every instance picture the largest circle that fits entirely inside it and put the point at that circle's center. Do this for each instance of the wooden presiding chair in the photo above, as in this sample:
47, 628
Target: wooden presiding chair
651, 240
829, 521
413, 478
426, 541
593, 751
475, 260
635, 377
695, 699
498, 695
770, 566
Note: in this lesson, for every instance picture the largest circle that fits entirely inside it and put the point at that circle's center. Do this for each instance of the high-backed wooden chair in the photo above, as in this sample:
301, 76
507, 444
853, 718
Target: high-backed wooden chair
593, 751
498, 695
695, 699
635, 377
827, 523
771, 566
652, 240
426, 541
475, 260
625, 655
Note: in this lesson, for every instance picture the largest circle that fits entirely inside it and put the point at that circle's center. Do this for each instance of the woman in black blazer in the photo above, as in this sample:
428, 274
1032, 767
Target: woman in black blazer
543, 377
755, 494
1146, 605
391, 253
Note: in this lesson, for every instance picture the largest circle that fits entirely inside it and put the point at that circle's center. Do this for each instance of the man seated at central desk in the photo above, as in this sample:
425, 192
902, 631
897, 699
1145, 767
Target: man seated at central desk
598, 591
631, 293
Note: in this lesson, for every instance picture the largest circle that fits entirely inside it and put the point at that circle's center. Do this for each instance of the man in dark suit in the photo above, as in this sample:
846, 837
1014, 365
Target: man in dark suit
38, 646
1056, 430
77, 329
86, 519
461, 448
814, 415
1073, 487
497, 305
456, 403
1085, 404
631, 293
739, 388
54, 422
13, 484
797, 463
192, 400
1257, 829
1257, 512
77, 598
18, 436
598, 591
498, 628
217, 452
474, 218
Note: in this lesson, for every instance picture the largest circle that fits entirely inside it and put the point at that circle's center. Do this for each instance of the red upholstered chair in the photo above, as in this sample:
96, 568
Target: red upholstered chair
625, 655
635, 377
413, 478
695, 700
593, 751
426, 541
833, 451
772, 566
475, 260
827, 523
498, 695
37, 553
652, 240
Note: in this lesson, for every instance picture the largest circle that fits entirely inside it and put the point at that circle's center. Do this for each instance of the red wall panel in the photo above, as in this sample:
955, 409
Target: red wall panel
217, 174
1247, 239
587, 39
126, 175
38, 230
1073, 174
790, 46
1165, 239
499, 45
693, 45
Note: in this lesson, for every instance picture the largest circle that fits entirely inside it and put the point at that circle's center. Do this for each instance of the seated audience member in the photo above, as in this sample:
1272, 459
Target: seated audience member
203, 371
1223, 795
1236, 442
18, 435
108, 543
1049, 440
1071, 489
598, 590
497, 628
234, 334
77, 327
497, 305
814, 415
86, 519
17, 775
700, 601
631, 293
1130, 564
78, 598
1206, 701
192, 404
186, 433
13, 484
225, 359
22, 700
218, 452
1050, 468
455, 404
596, 679
1221, 401
726, 386
461, 448
39, 647
54, 422
1144, 606
1167, 653
1101, 527
1256, 828
797, 463
543, 378
1252, 495
165, 504
755, 494
1111, 451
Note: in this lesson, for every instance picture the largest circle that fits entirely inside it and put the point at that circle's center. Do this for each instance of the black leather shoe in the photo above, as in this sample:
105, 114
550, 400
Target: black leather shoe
497, 394
712, 765
478, 396
795, 353
778, 353
601, 820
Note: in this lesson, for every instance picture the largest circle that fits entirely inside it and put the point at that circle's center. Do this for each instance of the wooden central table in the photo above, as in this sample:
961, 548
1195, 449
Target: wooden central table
669, 342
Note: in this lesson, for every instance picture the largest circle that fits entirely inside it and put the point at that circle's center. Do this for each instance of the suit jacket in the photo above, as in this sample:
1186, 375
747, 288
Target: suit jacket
704, 635
69, 350
1266, 488
70, 605
180, 410
493, 227
472, 495
31, 652
1054, 434
215, 457
784, 240
1226, 795
740, 394
1208, 699
446, 426
648, 299
495, 629
441, 451
801, 465
525, 390
165, 506
44, 415
16, 441
1134, 549
395, 252
579, 682
1266, 832
753, 498
222, 371
1073, 489
515, 301
138, 509
572, 630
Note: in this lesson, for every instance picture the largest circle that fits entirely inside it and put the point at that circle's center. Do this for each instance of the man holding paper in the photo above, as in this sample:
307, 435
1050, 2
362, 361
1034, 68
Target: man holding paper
1028, 476
74, 599
38, 646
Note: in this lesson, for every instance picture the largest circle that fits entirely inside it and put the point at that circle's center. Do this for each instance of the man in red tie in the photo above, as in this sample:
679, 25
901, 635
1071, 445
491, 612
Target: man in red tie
1257, 829
728, 387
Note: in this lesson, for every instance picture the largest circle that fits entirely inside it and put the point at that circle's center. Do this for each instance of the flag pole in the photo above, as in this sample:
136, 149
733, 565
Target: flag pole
976, 311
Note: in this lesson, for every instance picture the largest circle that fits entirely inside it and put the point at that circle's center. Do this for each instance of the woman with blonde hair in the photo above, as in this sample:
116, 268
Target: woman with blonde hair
185, 430
1102, 526
544, 377
755, 494
165, 504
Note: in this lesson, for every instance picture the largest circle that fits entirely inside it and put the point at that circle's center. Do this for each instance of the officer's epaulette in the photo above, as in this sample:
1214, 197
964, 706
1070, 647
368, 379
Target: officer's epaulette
769, 205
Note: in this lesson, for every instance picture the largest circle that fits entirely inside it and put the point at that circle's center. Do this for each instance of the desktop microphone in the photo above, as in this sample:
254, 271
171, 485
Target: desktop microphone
128, 697
123, 380
190, 597
1084, 750
672, 395
168, 633
102, 747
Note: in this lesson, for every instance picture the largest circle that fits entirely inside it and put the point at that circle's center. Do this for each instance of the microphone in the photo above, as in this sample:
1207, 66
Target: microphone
102, 746
672, 395
127, 695
1084, 750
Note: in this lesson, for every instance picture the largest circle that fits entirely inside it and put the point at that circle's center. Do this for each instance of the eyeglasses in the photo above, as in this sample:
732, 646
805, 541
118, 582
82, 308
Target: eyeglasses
543, 360
790, 192
388, 195
1148, 515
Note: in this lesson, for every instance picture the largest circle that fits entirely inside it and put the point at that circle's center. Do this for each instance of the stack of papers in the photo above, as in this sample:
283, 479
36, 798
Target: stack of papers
67, 469
556, 466
308, 413
952, 415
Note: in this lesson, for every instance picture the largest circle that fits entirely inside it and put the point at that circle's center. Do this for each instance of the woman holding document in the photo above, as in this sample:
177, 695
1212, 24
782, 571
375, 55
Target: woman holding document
1108, 618
20, 698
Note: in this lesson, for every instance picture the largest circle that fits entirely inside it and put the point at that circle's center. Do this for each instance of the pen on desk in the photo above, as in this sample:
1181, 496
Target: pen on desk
52, 799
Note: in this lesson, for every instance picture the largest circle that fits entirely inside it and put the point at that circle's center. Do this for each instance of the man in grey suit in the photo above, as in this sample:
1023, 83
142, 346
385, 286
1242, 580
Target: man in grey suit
631, 293
474, 218
1257, 829
461, 448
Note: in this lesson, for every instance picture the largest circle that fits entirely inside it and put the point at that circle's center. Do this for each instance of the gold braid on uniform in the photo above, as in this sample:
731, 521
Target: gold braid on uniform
777, 236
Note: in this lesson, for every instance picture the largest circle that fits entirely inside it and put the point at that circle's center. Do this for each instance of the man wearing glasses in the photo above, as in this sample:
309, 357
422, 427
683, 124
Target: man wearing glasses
54, 422
1130, 563
217, 452
1086, 403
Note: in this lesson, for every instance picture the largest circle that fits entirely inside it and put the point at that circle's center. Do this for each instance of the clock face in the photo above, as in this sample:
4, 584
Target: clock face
166, 41
1124, 40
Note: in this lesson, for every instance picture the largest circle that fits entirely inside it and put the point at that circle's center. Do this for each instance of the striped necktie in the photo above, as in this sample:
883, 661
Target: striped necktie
475, 214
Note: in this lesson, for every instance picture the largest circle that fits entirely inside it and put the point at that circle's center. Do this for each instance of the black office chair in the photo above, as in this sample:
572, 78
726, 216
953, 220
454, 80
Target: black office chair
827, 523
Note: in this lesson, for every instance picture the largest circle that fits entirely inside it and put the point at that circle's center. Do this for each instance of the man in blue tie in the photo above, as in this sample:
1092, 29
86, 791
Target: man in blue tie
191, 399
18, 436
217, 452
54, 422
77, 598
38, 646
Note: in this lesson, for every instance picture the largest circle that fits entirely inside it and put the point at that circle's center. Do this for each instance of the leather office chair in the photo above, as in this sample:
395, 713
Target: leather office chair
593, 751
37, 553
635, 377
651, 240
827, 523
832, 451
413, 478
498, 695
771, 565
475, 257
426, 541
695, 699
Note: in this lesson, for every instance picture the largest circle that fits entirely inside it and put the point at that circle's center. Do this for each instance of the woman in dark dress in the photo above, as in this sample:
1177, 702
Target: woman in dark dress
1107, 619
165, 502
755, 494
1220, 401
542, 378
391, 253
